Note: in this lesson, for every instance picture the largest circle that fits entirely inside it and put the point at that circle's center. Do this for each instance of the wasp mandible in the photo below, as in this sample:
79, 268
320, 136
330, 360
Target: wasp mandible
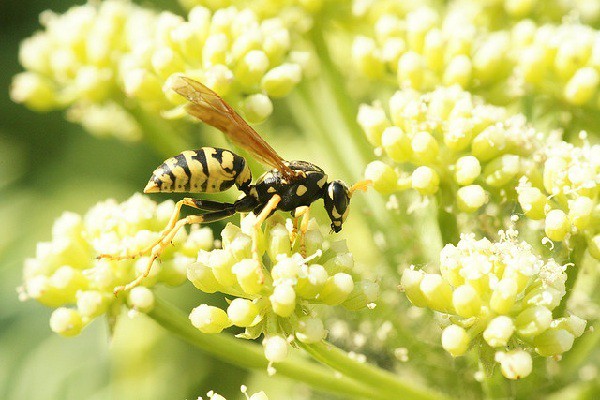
289, 186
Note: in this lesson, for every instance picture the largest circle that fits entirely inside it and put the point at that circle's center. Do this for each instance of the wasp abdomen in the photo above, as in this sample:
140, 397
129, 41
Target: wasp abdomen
207, 170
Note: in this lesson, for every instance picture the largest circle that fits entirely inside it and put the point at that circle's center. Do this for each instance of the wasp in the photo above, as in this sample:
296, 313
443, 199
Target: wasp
289, 186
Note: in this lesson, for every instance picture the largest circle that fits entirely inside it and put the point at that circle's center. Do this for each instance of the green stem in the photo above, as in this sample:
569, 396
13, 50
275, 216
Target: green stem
448, 226
575, 257
249, 355
389, 384
344, 106
494, 385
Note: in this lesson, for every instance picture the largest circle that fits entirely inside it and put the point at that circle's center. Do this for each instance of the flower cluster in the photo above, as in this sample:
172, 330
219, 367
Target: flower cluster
75, 61
501, 293
446, 139
499, 12
564, 192
275, 291
561, 61
427, 49
65, 272
93, 56
239, 56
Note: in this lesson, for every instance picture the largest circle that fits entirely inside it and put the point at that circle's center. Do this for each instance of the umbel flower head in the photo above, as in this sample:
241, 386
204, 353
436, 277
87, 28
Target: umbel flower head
276, 292
425, 49
447, 139
241, 57
564, 55
500, 294
93, 56
65, 272
74, 62
564, 192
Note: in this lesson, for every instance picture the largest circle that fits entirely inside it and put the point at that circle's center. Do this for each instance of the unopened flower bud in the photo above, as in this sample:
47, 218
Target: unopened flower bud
276, 348
425, 180
553, 342
471, 198
283, 300
468, 169
515, 364
280, 81
533, 321
249, 275
141, 299
66, 321
532, 201
499, 331
466, 301
209, 319
501, 170
557, 225
384, 178
437, 292
202, 277
243, 312
411, 285
455, 340
337, 288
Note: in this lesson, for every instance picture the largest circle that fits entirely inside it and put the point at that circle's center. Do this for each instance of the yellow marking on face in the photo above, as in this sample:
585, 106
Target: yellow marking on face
321, 182
300, 190
271, 189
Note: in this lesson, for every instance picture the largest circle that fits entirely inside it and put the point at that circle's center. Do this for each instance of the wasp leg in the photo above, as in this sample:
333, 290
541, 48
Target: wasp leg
168, 236
266, 211
299, 212
209, 205
172, 221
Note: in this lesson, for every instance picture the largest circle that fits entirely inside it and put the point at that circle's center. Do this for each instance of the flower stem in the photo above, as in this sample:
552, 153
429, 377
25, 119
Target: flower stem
390, 385
448, 226
575, 257
249, 355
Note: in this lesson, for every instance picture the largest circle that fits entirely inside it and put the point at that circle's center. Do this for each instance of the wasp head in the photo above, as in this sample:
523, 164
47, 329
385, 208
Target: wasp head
337, 202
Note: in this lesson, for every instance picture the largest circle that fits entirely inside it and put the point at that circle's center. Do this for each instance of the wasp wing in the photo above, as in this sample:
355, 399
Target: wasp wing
211, 109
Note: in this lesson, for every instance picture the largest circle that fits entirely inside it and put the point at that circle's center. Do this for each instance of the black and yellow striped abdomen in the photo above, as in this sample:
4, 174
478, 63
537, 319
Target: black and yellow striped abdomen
207, 170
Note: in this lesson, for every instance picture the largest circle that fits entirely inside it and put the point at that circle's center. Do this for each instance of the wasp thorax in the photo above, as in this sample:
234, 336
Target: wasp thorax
337, 202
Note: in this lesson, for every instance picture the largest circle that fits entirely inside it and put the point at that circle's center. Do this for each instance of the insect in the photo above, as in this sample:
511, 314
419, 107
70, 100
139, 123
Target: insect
289, 186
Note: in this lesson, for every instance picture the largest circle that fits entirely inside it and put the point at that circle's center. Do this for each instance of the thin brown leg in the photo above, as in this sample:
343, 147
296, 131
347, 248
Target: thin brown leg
299, 212
168, 236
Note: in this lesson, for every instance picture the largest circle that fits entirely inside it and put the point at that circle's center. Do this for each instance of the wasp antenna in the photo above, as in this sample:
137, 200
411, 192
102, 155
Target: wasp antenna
360, 185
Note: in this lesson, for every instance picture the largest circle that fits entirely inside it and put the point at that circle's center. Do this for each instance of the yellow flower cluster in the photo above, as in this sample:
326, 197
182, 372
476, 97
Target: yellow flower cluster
426, 49
93, 56
275, 291
66, 273
239, 56
564, 192
504, 12
446, 139
75, 61
500, 292
562, 61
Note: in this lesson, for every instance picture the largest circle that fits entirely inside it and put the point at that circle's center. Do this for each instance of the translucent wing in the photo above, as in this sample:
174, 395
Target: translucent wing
211, 109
